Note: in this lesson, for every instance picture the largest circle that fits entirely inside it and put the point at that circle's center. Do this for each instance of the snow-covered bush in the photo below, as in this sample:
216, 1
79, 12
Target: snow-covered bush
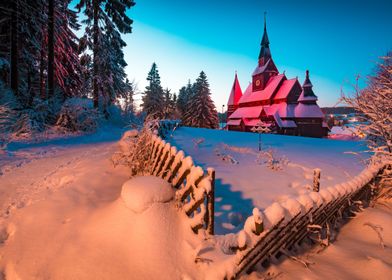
271, 160
127, 146
30, 121
78, 114
8, 117
197, 142
225, 157
116, 116
136, 149
374, 104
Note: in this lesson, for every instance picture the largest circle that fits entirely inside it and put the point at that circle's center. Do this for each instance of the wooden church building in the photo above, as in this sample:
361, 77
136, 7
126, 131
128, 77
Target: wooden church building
274, 101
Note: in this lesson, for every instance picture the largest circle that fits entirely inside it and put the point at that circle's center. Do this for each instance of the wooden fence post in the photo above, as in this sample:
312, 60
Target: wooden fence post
316, 180
211, 202
259, 227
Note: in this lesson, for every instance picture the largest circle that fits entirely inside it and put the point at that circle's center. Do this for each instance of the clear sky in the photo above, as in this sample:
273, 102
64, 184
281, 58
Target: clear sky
335, 40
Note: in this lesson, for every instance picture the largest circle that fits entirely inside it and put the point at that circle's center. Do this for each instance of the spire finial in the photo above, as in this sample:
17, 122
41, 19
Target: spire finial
307, 74
265, 20
236, 72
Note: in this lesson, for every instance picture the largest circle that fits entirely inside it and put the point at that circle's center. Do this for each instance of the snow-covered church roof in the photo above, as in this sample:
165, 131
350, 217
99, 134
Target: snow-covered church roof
236, 92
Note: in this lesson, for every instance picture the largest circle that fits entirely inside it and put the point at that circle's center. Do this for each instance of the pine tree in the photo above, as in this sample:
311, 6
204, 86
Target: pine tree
201, 111
189, 94
19, 41
68, 71
14, 47
153, 99
129, 107
106, 19
182, 100
169, 104
51, 42
33, 48
112, 67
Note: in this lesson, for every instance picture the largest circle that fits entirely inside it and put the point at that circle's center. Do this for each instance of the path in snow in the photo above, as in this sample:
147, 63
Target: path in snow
62, 218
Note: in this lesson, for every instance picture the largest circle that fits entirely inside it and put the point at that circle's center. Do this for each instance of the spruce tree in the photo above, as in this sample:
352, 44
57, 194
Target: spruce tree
106, 19
181, 100
189, 93
153, 99
201, 111
168, 108
68, 70
31, 65
20, 34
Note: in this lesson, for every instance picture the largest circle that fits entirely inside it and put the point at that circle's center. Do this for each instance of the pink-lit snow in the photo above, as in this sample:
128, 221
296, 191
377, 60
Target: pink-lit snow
63, 216
68, 213
243, 186
141, 192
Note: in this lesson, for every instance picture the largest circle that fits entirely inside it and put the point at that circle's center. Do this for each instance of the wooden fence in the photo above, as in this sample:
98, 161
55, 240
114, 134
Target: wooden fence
275, 232
195, 187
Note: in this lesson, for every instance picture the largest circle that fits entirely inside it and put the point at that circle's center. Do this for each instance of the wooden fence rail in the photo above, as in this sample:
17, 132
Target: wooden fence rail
277, 229
195, 187
317, 214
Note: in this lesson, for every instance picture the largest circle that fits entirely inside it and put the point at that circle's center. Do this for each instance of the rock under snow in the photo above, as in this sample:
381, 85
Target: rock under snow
141, 192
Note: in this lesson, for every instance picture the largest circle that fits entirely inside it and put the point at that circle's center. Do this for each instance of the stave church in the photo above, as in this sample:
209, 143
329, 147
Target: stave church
275, 102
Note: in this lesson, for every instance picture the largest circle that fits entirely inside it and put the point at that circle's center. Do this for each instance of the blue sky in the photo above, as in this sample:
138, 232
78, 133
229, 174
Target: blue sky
335, 40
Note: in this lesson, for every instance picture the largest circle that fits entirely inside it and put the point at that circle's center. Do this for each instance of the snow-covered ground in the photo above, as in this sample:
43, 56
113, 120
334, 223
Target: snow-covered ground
349, 133
63, 216
242, 184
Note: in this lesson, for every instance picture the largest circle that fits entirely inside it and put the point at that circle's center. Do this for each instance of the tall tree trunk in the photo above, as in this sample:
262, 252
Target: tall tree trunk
41, 72
50, 48
95, 52
30, 90
14, 49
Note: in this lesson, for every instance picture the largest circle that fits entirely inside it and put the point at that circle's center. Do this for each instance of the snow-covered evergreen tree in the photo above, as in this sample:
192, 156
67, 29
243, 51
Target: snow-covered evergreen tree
169, 104
181, 100
106, 19
153, 99
67, 65
32, 49
188, 95
20, 32
201, 111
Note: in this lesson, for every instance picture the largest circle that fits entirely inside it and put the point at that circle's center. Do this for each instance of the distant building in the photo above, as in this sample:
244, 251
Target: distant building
274, 101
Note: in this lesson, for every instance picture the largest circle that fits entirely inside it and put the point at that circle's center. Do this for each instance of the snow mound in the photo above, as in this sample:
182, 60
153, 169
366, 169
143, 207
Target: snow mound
140, 192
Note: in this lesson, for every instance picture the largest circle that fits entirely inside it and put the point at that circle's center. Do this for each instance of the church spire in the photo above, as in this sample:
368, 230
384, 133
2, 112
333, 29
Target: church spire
307, 94
265, 52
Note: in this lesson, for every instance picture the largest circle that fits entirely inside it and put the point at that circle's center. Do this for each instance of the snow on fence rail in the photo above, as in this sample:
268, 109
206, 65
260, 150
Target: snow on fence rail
195, 187
281, 226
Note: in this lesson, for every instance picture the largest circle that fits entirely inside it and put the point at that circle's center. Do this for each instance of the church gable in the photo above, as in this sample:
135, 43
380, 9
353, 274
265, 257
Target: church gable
294, 93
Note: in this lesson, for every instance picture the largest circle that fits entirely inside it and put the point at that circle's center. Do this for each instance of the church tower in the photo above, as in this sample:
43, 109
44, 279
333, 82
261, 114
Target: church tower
307, 95
266, 67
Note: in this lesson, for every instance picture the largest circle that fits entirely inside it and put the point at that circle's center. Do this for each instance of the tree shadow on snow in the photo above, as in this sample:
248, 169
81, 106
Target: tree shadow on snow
231, 209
